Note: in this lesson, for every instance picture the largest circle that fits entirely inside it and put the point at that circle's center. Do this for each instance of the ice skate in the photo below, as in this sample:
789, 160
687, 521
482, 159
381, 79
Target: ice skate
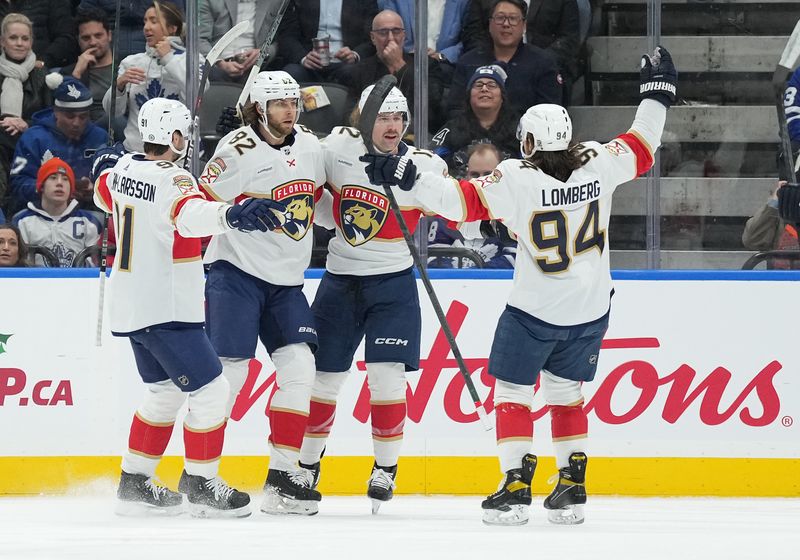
141, 495
509, 505
565, 502
291, 493
381, 486
212, 497
315, 473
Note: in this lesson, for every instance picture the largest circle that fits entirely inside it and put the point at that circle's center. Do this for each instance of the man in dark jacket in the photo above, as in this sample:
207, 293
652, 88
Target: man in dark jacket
63, 131
347, 30
53, 29
533, 75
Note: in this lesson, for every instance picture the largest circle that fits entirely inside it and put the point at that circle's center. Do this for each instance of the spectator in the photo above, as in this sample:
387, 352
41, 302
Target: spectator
445, 20
53, 29
345, 23
496, 250
63, 131
388, 35
489, 119
217, 17
533, 73
13, 251
23, 90
2, 217
55, 221
160, 71
95, 62
766, 231
130, 40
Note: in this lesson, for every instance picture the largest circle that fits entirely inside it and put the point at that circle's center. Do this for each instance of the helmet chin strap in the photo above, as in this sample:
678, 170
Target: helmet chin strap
271, 131
522, 146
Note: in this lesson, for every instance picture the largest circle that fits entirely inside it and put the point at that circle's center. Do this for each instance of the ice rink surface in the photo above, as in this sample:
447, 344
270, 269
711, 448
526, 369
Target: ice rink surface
409, 527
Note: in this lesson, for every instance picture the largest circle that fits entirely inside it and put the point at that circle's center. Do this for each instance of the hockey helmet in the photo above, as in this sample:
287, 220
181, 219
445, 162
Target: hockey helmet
395, 102
160, 117
550, 127
274, 85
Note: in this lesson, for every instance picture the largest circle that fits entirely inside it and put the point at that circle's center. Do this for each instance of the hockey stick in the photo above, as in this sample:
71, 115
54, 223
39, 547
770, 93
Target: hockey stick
211, 59
98, 339
262, 55
366, 124
785, 65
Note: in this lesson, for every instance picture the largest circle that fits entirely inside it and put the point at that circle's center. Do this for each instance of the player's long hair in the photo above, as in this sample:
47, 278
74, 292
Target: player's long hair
250, 114
559, 165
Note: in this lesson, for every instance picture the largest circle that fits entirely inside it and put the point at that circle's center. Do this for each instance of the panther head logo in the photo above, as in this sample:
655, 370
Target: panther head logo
298, 196
362, 214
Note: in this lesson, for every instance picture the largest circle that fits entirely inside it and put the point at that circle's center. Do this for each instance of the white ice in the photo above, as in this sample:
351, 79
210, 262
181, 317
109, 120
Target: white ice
408, 527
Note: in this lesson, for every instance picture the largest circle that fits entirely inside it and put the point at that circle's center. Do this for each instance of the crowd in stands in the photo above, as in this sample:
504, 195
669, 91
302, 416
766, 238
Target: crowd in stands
487, 62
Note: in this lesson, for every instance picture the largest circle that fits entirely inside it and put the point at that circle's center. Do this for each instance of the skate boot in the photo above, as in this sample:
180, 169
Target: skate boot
212, 497
290, 493
381, 485
315, 472
566, 500
509, 505
141, 495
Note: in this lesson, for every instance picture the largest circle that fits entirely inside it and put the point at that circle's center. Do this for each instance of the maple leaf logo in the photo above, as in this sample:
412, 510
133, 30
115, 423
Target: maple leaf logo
3, 341
153, 90
73, 92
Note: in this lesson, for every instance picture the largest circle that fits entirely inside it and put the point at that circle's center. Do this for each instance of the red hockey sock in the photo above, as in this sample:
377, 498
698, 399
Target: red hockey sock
570, 428
204, 446
149, 439
514, 434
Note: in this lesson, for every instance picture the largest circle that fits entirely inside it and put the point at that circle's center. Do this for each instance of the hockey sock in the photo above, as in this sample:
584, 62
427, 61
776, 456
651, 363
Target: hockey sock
146, 444
514, 434
318, 429
235, 371
204, 428
387, 388
570, 429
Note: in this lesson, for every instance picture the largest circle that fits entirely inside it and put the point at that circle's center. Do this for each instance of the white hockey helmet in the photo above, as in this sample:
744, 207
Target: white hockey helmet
550, 127
395, 102
160, 117
274, 85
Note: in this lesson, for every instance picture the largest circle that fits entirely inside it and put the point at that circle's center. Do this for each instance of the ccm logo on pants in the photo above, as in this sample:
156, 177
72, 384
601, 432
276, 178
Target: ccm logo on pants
392, 341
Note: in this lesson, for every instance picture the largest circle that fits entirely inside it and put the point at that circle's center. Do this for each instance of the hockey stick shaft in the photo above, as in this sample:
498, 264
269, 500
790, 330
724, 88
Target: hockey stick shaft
791, 53
366, 124
101, 295
262, 55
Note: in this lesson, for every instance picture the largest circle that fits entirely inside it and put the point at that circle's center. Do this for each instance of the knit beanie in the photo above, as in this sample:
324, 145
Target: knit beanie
52, 166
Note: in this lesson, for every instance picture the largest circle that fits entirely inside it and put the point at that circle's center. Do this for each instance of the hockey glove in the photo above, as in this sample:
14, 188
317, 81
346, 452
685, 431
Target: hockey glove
260, 214
658, 77
228, 121
390, 170
105, 158
789, 202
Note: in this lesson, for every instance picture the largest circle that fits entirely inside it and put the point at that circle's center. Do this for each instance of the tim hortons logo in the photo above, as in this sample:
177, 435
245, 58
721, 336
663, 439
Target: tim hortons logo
683, 387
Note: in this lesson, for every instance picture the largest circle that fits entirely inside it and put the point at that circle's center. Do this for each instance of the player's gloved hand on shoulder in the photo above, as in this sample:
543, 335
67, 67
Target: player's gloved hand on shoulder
105, 158
789, 202
390, 170
658, 78
228, 121
261, 214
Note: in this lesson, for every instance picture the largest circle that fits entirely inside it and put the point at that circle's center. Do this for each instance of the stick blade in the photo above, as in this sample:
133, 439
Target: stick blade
372, 107
225, 41
791, 51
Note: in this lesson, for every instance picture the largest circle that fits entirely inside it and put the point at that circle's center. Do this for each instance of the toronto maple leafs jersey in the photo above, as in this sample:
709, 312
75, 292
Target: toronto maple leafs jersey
368, 239
159, 215
66, 235
245, 166
791, 102
562, 271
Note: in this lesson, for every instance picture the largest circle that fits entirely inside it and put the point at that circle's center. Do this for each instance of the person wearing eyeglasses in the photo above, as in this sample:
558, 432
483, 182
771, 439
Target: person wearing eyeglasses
489, 118
345, 24
388, 36
533, 75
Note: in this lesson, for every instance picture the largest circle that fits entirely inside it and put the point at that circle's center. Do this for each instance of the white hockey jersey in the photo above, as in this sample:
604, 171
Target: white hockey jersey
562, 271
245, 166
159, 215
368, 239
65, 235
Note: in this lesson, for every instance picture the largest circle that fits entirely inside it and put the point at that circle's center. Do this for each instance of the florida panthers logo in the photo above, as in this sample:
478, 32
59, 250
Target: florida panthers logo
298, 196
362, 213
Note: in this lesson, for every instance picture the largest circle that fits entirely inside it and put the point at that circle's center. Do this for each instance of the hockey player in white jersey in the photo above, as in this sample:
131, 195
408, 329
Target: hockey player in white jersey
557, 200
368, 292
156, 300
255, 283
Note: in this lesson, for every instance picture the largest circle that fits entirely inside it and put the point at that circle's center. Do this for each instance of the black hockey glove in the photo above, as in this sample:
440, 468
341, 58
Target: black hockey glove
390, 170
658, 77
256, 214
105, 158
228, 121
789, 202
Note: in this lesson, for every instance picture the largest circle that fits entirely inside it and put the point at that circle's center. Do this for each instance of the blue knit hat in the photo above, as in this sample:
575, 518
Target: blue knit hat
492, 71
69, 94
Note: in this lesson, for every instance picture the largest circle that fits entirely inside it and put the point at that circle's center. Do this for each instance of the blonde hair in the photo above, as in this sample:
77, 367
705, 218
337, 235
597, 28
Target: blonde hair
15, 18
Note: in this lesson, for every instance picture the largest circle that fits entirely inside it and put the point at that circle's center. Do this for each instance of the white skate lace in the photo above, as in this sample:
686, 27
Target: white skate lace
220, 488
381, 479
302, 477
155, 486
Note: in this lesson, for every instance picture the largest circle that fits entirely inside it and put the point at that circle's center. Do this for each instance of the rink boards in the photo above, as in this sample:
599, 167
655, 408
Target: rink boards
697, 392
